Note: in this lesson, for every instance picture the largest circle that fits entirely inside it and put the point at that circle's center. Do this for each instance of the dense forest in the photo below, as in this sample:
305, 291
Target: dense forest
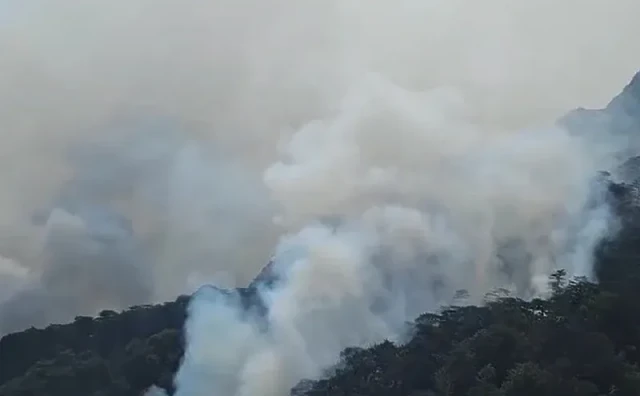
583, 340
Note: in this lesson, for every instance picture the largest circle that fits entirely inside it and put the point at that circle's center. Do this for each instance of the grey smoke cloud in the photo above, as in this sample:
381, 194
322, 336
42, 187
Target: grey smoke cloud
403, 121
134, 225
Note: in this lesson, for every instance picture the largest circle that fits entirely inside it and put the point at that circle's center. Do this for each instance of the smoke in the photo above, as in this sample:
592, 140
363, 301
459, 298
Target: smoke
404, 149
427, 203
132, 226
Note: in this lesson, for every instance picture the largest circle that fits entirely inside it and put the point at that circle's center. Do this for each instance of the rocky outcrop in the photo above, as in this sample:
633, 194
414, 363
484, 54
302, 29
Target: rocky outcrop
620, 119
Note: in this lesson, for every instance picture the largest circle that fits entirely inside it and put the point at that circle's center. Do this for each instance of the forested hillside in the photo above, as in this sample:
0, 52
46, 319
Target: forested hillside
583, 340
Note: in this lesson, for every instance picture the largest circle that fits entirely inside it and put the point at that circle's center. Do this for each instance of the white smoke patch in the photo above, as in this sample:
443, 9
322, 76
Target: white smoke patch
12, 277
155, 391
420, 151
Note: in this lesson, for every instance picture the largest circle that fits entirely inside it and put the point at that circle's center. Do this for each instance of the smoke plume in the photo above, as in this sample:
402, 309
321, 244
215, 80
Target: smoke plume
390, 152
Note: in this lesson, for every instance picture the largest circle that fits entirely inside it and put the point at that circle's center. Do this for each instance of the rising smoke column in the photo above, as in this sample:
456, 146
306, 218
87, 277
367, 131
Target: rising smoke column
431, 197
429, 203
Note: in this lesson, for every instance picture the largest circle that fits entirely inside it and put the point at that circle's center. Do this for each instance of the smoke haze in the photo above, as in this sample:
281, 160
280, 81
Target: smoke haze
389, 152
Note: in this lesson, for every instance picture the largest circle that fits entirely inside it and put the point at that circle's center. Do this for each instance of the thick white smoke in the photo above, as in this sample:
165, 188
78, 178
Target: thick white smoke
424, 202
385, 138
426, 191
